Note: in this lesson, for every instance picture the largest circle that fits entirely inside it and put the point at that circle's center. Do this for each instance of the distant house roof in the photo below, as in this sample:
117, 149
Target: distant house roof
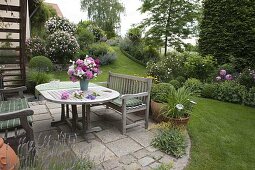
55, 6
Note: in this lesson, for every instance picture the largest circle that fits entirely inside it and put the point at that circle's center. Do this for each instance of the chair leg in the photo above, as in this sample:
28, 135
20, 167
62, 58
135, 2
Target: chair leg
147, 118
124, 122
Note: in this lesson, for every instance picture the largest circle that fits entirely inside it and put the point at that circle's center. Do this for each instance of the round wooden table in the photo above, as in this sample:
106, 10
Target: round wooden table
52, 92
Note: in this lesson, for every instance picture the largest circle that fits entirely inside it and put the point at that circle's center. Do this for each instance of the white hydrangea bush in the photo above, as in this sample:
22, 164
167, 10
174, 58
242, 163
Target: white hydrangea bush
59, 24
61, 46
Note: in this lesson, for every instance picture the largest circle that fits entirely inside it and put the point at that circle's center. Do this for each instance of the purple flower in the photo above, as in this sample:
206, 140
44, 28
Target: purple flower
65, 95
73, 79
218, 78
79, 62
97, 61
89, 74
84, 68
91, 97
229, 77
223, 72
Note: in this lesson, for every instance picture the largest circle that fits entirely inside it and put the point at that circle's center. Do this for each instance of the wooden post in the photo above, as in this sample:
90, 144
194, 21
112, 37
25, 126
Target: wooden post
23, 17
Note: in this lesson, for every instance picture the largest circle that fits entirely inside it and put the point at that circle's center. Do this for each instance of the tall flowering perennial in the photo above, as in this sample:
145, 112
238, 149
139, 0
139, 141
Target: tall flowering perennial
59, 24
61, 46
35, 47
84, 69
224, 76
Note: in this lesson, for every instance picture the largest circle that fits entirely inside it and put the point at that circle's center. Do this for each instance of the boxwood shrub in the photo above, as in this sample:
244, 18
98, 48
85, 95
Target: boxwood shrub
160, 92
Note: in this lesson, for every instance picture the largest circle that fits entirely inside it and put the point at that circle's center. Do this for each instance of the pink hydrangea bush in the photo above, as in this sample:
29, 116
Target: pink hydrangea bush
223, 76
84, 69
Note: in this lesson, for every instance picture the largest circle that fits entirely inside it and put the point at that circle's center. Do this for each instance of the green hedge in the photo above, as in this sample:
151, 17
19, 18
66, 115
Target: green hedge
132, 58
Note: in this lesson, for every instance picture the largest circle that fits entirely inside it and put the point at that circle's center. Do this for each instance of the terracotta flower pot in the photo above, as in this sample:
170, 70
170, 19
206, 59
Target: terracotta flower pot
8, 158
156, 112
179, 121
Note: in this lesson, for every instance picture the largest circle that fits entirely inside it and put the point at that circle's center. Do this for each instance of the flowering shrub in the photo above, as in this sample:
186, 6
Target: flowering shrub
247, 78
83, 69
59, 24
61, 46
167, 68
35, 47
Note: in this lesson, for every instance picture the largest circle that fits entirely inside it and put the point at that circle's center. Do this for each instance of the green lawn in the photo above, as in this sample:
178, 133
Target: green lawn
222, 136
121, 65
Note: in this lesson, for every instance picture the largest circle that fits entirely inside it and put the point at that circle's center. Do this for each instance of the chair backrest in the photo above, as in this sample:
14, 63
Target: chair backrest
126, 84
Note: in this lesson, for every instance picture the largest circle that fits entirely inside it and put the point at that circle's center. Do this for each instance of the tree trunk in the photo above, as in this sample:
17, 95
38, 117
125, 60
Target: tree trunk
167, 25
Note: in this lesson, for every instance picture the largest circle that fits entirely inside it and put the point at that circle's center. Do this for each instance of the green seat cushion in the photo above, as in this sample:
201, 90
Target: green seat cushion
12, 106
130, 102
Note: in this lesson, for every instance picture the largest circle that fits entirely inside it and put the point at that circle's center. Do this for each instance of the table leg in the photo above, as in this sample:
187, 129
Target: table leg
75, 117
88, 123
63, 118
67, 111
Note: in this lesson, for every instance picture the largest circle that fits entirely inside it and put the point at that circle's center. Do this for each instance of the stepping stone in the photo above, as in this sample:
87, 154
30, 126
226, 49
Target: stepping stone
127, 159
142, 136
141, 153
111, 164
110, 135
123, 146
146, 161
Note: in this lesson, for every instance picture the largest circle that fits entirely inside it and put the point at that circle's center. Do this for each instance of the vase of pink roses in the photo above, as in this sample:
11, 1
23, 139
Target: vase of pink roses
83, 71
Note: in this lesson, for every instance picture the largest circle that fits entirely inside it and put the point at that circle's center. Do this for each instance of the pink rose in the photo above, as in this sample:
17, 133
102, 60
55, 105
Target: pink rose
89, 74
95, 70
97, 61
84, 68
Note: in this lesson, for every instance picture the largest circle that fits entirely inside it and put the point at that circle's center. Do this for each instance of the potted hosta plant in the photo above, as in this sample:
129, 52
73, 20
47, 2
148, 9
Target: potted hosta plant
159, 97
179, 106
83, 71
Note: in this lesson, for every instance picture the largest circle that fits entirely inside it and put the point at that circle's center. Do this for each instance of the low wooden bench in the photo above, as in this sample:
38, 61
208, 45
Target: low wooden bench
15, 114
135, 97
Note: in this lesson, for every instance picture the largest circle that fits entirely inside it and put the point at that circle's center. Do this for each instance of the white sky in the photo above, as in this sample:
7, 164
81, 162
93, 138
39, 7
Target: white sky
71, 10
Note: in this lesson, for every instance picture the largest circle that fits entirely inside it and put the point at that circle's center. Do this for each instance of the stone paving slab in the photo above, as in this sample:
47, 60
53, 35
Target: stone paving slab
142, 136
123, 146
110, 135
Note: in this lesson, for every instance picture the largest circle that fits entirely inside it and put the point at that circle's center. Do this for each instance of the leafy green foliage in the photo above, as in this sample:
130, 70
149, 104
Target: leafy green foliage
175, 83
134, 34
103, 51
35, 78
181, 79
105, 13
160, 91
249, 98
208, 90
178, 103
194, 85
171, 141
176, 22
85, 37
167, 68
41, 64
199, 67
227, 32
230, 91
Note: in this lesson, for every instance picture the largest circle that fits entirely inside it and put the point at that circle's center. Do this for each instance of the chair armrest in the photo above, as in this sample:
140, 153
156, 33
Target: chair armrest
16, 114
128, 96
18, 90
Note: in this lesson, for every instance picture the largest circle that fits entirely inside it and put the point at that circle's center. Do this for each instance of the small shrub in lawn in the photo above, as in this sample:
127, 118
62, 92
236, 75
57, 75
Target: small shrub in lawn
194, 85
171, 141
249, 99
208, 90
40, 63
175, 83
160, 92
230, 91
181, 79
